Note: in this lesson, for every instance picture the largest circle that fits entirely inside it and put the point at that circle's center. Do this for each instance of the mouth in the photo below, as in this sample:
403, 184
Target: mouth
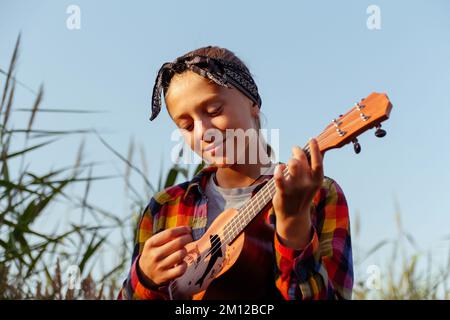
213, 147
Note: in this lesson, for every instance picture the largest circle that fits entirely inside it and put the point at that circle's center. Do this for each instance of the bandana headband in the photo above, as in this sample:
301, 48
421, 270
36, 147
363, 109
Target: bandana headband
220, 71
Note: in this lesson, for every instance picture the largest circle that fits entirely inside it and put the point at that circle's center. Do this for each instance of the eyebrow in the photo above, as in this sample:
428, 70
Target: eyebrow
200, 105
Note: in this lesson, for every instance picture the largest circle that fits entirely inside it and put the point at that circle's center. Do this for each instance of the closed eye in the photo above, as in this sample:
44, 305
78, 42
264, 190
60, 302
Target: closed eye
187, 128
216, 112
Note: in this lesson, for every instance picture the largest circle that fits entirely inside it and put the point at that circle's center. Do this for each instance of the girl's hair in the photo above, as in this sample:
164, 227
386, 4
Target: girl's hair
223, 53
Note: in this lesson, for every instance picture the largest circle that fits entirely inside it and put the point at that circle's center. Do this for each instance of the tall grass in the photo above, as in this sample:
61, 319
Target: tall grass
34, 264
409, 273
28, 254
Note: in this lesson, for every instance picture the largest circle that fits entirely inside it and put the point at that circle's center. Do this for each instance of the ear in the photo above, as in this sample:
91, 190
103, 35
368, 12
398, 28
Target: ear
254, 110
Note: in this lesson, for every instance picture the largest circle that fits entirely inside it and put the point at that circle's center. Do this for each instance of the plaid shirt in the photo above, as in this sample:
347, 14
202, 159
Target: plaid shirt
322, 270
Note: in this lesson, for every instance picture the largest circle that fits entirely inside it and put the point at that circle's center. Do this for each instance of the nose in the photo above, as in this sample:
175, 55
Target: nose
201, 126
199, 129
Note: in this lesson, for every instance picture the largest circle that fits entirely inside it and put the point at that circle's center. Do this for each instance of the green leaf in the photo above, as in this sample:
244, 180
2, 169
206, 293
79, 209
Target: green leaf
171, 178
90, 250
34, 209
10, 185
173, 174
17, 153
199, 167
10, 71
35, 260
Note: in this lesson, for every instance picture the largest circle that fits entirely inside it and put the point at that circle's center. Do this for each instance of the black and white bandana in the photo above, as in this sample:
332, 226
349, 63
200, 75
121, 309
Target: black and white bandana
220, 71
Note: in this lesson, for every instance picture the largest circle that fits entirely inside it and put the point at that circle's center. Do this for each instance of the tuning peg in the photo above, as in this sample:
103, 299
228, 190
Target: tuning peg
380, 133
356, 146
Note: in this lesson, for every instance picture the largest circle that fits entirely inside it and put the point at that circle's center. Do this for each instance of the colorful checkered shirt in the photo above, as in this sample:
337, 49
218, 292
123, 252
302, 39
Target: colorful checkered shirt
322, 270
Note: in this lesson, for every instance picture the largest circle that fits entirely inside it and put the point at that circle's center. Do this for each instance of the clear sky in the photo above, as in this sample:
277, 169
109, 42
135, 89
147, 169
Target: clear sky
311, 60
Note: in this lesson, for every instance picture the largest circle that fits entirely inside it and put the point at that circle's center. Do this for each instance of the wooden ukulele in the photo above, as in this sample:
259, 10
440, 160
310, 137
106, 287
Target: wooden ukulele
234, 259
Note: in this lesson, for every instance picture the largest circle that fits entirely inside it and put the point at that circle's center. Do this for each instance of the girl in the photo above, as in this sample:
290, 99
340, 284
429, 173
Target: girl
211, 90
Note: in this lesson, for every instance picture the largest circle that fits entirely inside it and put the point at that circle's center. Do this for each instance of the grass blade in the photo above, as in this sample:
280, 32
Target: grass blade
36, 104
10, 71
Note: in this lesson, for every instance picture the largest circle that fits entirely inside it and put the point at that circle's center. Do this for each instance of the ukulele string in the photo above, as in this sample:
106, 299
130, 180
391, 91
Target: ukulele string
233, 221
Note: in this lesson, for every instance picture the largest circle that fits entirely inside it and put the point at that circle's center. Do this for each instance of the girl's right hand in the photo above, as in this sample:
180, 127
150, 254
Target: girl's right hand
161, 259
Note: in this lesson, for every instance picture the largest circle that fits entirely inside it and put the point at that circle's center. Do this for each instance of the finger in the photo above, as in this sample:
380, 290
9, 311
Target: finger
279, 178
167, 235
316, 161
299, 154
172, 246
176, 271
294, 168
174, 259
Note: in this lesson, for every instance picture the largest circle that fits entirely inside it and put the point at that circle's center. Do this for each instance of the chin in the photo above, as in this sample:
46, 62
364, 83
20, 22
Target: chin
219, 162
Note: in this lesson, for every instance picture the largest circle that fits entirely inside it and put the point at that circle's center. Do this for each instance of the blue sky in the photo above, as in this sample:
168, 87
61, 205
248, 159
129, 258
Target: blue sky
311, 61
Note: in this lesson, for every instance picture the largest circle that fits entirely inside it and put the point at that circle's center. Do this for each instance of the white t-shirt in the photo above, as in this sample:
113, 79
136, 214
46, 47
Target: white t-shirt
220, 199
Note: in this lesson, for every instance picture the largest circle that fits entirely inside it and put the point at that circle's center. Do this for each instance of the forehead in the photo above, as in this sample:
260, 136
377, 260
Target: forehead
189, 89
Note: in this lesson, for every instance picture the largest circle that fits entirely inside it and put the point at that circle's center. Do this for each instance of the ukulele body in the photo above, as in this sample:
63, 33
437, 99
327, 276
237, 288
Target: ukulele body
244, 269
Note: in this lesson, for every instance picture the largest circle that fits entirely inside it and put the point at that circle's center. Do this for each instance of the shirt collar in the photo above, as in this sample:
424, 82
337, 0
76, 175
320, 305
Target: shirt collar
200, 180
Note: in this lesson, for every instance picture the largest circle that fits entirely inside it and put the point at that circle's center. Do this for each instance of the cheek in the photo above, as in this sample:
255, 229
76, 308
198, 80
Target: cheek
192, 143
188, 139
237, 118
222, 122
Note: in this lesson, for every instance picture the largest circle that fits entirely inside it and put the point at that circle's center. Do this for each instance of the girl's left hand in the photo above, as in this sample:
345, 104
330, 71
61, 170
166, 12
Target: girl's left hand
295, 192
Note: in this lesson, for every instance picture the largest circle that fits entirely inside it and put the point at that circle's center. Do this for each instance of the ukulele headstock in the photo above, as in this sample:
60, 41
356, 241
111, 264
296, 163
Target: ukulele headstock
364, 115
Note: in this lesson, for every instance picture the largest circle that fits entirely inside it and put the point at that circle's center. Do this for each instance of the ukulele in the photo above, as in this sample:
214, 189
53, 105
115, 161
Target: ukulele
234, 259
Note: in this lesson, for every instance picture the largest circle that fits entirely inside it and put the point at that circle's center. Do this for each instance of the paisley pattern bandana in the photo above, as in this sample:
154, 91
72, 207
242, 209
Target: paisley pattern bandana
220, 71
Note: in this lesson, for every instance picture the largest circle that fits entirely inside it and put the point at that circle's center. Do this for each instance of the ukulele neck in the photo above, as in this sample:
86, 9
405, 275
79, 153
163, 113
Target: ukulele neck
364, 115
252, 207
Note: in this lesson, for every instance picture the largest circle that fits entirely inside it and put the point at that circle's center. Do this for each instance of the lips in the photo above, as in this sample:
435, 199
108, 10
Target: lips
213, 146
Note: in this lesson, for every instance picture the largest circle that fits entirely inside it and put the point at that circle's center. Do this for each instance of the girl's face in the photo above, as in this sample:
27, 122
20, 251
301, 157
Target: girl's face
204, 110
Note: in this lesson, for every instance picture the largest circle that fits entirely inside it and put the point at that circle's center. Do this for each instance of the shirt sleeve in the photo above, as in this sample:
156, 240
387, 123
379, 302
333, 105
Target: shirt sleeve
324, 268
133, 287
